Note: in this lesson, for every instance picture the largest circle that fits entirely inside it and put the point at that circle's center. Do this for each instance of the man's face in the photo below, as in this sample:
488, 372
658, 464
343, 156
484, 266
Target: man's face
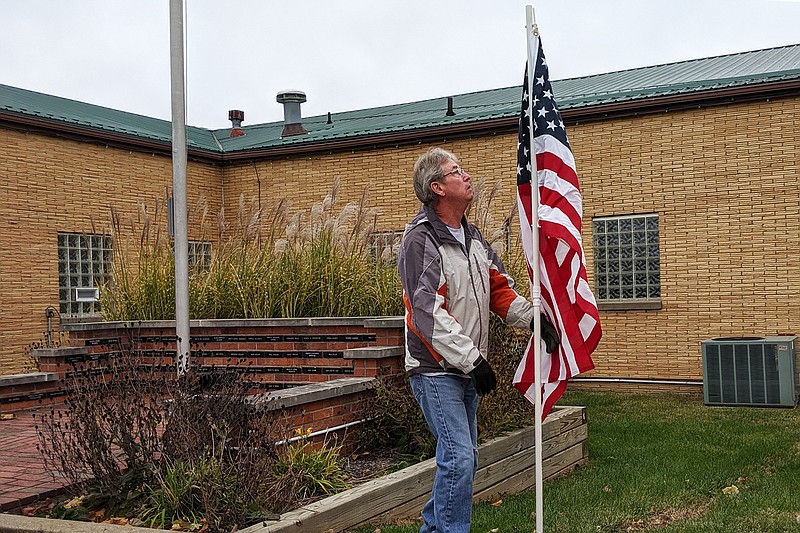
456, 185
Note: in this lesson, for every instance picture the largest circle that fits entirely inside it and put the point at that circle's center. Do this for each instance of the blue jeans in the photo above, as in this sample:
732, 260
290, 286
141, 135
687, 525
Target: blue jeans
450, 406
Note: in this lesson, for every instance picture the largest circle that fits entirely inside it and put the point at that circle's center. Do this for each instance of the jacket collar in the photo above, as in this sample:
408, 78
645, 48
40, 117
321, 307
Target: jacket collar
427, 214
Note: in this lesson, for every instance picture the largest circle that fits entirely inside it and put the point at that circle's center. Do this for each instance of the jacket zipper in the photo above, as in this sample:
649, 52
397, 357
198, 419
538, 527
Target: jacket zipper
475, 291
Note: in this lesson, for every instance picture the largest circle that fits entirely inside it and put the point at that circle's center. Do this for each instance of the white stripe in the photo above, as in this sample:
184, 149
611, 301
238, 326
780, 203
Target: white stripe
586, 292
553, 181
548, 143
562, 249
574, 270
587, 325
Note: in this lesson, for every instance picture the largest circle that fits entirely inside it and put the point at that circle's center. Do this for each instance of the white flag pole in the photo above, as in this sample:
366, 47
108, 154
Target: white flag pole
532, 37
179, 159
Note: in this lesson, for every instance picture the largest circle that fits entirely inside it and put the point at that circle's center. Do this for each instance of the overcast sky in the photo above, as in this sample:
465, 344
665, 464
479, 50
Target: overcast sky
354, 54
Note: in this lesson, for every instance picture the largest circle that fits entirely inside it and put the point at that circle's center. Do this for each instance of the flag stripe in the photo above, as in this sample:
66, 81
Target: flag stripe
566, 298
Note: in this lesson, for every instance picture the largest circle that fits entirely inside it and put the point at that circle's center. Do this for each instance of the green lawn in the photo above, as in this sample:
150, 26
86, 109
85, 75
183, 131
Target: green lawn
665, 463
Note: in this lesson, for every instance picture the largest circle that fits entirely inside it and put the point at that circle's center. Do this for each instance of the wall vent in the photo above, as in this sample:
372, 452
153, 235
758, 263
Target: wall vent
87, 294
751, 371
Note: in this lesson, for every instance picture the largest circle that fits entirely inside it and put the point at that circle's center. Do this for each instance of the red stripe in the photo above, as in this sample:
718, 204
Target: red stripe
550, 161
556, 200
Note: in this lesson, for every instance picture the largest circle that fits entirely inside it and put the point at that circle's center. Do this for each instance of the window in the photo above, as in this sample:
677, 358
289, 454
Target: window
627, 263
199, 255
84, 264
383, 245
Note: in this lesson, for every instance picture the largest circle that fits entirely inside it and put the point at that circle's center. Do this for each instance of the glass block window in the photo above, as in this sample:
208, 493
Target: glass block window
84, 262
383, 245
626, 258
199, 255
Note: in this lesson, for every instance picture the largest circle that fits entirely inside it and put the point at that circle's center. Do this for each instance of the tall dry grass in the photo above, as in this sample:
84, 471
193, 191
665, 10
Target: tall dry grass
265, 263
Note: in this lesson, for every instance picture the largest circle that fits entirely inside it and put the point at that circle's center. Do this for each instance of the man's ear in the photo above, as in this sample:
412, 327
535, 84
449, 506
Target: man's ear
437, 188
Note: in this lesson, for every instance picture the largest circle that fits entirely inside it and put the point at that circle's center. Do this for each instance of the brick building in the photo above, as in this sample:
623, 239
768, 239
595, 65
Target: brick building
689, 173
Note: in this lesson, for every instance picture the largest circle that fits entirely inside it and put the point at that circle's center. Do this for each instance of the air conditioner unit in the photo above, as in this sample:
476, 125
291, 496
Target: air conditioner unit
753, 371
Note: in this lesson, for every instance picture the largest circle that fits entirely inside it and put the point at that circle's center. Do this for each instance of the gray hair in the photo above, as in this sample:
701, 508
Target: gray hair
428, 169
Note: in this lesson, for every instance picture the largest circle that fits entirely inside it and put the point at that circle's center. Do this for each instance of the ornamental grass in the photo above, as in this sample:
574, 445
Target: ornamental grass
264, 263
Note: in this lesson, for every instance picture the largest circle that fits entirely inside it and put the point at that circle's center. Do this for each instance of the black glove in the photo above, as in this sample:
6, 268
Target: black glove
485, 381
549, 333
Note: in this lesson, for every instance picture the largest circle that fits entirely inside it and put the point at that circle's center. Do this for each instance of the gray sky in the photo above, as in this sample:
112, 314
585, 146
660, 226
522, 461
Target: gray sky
354, 54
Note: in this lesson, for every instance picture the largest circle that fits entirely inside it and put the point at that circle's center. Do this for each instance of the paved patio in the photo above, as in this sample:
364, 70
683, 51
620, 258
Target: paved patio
23, 476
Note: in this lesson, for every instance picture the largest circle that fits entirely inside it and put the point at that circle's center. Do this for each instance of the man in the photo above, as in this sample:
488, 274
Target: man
451, 279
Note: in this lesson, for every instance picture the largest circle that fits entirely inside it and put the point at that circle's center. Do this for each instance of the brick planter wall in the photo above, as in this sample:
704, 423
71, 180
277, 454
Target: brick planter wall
318, 371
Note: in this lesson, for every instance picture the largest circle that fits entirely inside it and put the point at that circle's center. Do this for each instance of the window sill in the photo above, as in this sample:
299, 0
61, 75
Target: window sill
629, 305
81, 319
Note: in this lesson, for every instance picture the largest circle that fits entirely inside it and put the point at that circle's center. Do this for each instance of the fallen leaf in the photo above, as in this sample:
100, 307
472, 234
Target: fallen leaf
116, 521
7, 416
733, 490
77, 501
606, 488
180, 525
741, 480
498, 503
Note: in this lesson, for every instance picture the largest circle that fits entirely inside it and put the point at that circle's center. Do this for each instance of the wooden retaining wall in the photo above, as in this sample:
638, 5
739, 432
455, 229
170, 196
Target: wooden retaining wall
506, 466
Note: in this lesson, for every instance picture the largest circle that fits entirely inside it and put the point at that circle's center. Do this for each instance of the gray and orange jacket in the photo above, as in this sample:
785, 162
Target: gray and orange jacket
448, 291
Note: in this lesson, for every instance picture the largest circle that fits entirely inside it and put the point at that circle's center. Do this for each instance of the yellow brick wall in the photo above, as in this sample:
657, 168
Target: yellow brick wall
723, 181
385, 172
51, 185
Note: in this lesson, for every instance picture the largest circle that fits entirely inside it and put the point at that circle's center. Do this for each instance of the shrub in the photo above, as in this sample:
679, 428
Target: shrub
396, 421
140, 441
505, 409
303, 471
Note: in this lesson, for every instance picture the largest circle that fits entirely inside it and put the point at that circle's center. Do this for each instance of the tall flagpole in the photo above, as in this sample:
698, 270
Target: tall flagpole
179, 159
532, 33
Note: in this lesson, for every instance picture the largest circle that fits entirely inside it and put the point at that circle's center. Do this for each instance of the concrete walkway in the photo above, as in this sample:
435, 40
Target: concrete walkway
23, 476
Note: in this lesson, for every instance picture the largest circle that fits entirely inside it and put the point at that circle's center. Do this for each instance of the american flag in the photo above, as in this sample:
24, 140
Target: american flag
567, 299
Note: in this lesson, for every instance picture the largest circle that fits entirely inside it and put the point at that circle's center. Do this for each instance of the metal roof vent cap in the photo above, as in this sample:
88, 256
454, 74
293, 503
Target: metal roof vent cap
292, 120
236, 117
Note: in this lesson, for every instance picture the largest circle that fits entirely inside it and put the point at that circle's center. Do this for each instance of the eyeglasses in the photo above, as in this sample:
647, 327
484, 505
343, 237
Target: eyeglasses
458, 170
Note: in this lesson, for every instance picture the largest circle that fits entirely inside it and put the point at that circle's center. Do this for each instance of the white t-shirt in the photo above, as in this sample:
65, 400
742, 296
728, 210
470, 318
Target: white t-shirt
458, 233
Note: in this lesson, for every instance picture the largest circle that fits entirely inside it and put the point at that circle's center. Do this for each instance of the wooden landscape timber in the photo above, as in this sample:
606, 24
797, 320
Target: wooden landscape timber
506, 466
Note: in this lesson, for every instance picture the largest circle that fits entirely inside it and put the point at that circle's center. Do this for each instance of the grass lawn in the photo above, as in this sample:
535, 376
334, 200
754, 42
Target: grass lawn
665, 463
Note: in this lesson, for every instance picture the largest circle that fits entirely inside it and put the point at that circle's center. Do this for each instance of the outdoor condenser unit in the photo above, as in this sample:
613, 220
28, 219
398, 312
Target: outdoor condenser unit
753, 371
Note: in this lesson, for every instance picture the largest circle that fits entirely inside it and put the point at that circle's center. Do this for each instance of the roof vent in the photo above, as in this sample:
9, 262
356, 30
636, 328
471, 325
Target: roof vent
236, 117
292, 121
450, 112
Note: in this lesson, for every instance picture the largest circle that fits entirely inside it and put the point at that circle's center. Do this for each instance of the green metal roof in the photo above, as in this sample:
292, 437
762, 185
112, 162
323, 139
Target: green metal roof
632, 85
91, 117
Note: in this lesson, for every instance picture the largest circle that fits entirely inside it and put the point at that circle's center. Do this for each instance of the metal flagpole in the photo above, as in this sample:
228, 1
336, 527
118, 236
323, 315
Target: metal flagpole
532, 34
179, 157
